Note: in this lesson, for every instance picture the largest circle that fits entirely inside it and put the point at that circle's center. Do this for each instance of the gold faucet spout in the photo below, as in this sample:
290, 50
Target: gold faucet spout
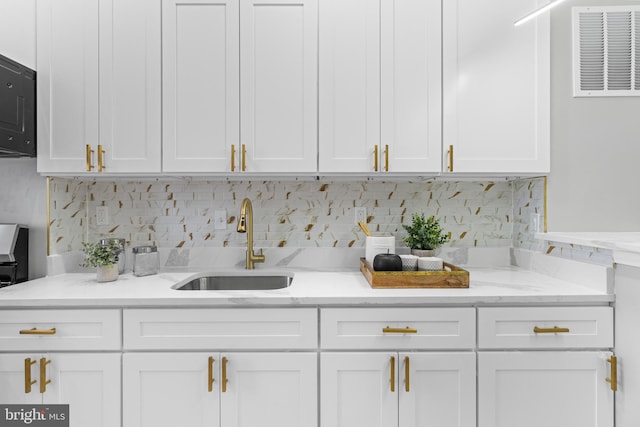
245, 225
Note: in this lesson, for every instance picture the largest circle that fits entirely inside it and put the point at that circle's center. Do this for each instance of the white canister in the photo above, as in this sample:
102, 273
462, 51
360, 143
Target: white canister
409, 262
429, 263
375, 245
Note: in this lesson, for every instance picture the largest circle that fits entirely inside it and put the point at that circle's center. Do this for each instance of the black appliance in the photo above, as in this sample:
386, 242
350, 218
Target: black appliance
14, 254
17, 109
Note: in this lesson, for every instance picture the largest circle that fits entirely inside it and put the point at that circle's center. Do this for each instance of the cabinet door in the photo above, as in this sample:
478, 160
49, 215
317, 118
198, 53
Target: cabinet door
130, 85
200, 84
269, 389
349, 82
437, 389
171, 389
359, 389
551, 389
67, 83
496, 86
411, 86
89, 383
16, 372
278, 46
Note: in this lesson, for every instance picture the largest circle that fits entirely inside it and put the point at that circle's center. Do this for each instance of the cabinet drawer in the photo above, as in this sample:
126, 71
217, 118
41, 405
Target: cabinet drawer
220, 329
545, 327
51, 330
386, 328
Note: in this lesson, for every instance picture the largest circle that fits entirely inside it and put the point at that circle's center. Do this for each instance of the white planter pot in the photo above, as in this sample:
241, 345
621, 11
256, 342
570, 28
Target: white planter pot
107, 273
423, 252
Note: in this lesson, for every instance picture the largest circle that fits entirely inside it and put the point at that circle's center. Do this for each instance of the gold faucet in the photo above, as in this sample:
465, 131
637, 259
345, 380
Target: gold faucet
245, 222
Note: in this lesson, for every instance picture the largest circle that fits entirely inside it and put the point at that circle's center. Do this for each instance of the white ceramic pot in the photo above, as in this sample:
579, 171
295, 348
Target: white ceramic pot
423, 252
107, 273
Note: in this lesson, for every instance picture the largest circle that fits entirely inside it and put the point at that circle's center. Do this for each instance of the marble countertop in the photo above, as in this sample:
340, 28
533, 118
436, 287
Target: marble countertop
625, 246
489, 286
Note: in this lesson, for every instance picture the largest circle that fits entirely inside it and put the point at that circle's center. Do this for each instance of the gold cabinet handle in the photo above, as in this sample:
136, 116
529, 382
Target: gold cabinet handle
386, 158
392, 362
450, 166
224, 380
101, 165
554, 330
43, 374
375, 157
407, 330
613, 376
27, 374
244, 158
406, 374
35, 331
210, 379
89, 157
233, 158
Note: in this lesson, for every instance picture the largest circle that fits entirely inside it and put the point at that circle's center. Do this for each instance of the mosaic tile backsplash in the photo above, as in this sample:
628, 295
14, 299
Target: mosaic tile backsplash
173, 213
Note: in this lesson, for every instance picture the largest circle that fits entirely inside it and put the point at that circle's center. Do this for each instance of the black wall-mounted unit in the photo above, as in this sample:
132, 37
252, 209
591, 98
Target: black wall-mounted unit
17, 109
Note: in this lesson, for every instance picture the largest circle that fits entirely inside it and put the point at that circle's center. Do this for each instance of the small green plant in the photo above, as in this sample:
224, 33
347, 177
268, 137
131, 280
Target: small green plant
424, 233
97, 254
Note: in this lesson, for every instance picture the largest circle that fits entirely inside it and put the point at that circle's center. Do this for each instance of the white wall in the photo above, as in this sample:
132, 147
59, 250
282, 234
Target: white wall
18, 31
595, 145
23, 200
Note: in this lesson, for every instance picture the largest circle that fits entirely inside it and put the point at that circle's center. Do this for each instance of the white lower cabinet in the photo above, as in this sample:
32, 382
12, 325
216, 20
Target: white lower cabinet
88, 382
220, 389
172, 379
398, 389
527, 377
551, 389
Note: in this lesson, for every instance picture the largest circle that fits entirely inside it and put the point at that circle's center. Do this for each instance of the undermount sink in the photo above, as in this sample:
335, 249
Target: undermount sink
237, 283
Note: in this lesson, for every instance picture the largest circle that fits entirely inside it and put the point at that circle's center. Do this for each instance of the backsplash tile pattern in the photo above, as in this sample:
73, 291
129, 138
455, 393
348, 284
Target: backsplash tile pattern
175, 213
528, 213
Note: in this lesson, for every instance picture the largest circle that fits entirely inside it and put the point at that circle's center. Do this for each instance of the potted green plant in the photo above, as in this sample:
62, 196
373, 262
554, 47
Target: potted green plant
425, 235
104, 257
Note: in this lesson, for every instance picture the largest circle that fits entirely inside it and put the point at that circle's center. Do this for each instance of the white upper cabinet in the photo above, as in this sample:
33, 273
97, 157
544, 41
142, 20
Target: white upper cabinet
380, 85
67, 85
278, 85
99, 87
496, 90
240, 86
130, 85
201, 91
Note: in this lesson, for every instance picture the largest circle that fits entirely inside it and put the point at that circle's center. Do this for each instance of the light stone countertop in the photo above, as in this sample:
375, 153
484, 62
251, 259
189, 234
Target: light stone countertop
489, 286
625, 246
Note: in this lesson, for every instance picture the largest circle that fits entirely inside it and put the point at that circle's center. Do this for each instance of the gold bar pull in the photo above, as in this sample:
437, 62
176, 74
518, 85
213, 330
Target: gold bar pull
210, 379
233, 158
89, 157
450, 167
27, 374
554, 330
101, 165
43, 374
407, 330
613, 378
375, 157
224, 375
406, 374
393, 374
34, 331
244, 158
386, 158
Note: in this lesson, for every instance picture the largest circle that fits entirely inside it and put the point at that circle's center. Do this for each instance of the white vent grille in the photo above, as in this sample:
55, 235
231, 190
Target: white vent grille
606, 50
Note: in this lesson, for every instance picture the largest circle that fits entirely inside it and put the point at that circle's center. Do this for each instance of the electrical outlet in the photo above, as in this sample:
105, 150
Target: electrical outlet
220, 219
361, 214
536, 225
102, 215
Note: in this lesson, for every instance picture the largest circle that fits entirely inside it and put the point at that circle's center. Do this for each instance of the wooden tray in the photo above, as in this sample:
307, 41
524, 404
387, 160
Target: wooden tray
456, 278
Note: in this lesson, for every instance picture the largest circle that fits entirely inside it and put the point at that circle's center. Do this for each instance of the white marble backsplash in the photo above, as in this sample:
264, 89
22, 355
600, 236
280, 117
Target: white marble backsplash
178, 214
